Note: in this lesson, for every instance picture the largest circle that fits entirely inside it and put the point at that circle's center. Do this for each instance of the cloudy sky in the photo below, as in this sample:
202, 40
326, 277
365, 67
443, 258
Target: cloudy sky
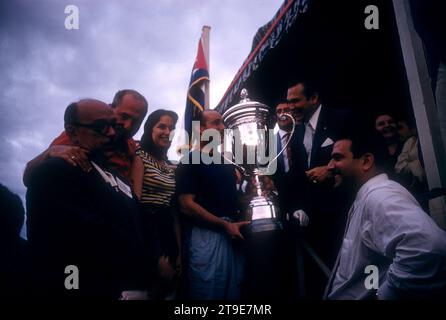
147, 45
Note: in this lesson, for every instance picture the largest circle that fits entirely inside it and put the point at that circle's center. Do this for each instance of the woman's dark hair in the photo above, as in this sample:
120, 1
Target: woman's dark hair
147, 143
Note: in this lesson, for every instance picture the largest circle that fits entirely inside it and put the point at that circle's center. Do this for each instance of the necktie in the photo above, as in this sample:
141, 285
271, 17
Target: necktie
308, 140
285, 139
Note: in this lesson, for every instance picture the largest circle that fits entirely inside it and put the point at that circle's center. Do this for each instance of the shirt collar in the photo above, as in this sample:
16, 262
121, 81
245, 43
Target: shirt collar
370, 184
107, 176
282, 133
315, 117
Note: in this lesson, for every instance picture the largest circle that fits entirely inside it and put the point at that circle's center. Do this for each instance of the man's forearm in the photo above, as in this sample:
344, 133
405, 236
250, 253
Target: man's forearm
137, 176
177, 229
194, 210
74, 155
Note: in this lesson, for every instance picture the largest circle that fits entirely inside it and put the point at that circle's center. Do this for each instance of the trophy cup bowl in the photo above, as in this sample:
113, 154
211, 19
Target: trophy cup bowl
246, 120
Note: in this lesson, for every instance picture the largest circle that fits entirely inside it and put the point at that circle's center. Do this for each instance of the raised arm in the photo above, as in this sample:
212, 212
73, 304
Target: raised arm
137, 176
75, 156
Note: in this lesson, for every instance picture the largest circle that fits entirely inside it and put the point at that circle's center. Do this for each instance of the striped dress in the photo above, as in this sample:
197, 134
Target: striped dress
157, 211
159, 181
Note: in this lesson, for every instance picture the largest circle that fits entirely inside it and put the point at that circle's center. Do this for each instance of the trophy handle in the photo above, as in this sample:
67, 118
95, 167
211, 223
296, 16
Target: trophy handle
243, 170
289, 139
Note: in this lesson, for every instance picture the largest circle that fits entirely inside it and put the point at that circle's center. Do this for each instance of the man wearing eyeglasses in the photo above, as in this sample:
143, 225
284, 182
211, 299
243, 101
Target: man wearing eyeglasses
85, 220
283, 177
129, 108
280, 246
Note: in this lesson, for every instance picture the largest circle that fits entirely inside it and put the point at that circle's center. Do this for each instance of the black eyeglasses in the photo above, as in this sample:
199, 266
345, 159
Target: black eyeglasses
99, 126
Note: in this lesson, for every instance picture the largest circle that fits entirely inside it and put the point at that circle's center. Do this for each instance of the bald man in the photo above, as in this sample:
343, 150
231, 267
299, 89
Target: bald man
129, 108
83, 226
207, 195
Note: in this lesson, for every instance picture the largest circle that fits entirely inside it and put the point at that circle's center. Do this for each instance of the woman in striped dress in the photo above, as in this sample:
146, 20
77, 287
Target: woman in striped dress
159, 219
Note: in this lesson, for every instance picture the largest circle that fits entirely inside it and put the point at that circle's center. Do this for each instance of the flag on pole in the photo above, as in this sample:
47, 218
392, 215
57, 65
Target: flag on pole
196, 93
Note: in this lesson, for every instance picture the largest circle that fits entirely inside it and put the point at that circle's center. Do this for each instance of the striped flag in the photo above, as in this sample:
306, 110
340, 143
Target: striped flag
195, 102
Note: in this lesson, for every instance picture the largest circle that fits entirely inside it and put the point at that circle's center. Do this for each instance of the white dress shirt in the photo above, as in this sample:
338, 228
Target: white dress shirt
387, 228
310, 129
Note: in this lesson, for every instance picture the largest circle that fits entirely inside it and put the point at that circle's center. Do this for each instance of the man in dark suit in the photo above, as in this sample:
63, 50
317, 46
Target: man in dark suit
312, 183
282, 176
83, 226
288, 252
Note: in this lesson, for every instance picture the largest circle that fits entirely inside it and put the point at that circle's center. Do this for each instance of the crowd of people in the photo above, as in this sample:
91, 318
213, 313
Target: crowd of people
135, 225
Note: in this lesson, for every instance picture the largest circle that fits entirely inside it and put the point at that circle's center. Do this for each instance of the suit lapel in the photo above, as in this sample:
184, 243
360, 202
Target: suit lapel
298, 151
320, 135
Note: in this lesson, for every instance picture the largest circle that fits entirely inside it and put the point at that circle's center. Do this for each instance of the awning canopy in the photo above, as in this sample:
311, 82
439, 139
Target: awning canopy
327, 42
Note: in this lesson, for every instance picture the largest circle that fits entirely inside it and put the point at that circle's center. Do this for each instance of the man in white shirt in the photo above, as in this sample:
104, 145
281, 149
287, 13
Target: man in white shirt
391, 249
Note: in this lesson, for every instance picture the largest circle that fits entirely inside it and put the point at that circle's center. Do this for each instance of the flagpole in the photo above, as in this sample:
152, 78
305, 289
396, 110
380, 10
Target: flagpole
205, 40
198, 91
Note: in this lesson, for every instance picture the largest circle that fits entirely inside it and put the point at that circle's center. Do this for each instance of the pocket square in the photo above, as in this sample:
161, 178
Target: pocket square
327, 142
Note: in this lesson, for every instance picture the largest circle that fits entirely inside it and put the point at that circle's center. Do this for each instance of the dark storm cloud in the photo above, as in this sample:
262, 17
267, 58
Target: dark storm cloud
145, 45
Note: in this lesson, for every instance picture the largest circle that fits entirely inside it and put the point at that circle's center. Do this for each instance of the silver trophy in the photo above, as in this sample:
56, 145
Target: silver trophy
253, 149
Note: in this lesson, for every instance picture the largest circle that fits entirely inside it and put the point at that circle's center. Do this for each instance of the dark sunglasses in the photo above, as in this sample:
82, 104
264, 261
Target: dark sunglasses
99, 126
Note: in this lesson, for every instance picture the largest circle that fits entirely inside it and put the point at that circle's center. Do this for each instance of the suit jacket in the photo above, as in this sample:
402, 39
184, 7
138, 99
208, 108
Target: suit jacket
76, 218
325, 205
332, 123
283, 182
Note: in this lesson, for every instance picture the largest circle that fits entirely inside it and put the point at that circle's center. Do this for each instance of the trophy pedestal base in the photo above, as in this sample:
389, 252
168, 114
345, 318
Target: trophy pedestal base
263, 215
262, 225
